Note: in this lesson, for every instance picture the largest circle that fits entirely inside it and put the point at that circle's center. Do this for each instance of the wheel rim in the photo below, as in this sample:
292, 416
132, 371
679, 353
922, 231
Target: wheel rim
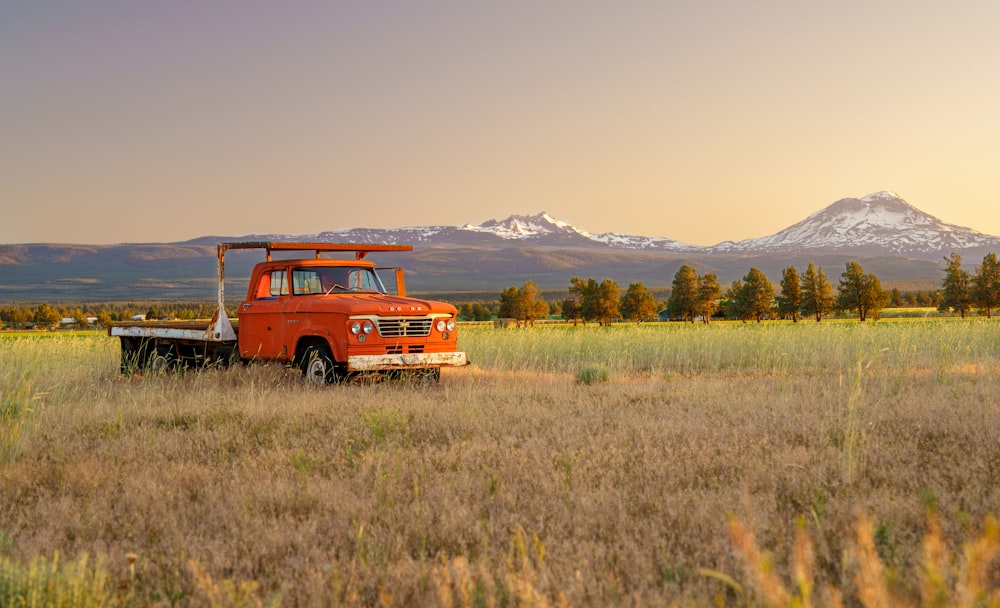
316, 372
159, 365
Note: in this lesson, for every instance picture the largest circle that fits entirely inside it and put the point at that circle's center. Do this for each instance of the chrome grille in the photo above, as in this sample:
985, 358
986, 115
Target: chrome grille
404, 327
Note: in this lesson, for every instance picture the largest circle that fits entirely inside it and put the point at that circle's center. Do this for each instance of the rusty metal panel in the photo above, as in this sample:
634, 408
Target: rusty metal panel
367, 363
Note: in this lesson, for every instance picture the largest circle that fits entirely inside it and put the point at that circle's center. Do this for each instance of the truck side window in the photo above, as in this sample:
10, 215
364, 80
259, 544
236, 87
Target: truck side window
271, 285
279, 283
306, 282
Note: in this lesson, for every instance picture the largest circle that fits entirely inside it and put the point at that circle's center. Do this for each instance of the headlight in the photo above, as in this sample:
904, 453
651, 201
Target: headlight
451, 324
440, 325
355, 328
367, 327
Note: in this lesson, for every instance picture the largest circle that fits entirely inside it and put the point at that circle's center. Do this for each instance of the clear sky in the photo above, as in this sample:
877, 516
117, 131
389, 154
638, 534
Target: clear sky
131, 121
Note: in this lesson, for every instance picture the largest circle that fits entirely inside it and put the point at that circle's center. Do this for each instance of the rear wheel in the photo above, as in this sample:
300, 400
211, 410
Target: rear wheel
318, 366
164, 361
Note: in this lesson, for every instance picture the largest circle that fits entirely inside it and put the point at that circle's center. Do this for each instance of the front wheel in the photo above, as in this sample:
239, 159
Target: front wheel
318, 366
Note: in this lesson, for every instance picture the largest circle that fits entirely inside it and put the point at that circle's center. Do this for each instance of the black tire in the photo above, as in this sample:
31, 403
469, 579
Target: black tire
318, 366
164, 361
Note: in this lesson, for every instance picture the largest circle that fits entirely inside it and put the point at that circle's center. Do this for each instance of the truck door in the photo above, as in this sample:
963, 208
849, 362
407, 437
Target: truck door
261, 332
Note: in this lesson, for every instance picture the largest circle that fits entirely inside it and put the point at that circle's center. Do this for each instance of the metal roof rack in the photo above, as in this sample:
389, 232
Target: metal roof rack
360, 250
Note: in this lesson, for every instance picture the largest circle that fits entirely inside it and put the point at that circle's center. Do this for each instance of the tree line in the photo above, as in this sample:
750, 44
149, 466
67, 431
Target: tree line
47, 316
695, 297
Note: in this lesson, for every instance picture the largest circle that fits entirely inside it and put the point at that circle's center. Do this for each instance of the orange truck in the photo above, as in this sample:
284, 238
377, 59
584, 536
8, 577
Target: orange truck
331, 317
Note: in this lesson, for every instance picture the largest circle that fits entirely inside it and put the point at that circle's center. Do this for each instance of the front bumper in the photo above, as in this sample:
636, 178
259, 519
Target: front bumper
371, 363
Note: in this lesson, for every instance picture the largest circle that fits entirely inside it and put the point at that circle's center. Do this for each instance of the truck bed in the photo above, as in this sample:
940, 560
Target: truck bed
185, 330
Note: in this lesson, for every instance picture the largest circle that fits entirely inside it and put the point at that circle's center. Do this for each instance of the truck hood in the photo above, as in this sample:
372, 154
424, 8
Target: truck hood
375, 303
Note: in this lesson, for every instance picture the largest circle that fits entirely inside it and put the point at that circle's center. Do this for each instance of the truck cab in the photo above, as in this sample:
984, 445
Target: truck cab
334, 317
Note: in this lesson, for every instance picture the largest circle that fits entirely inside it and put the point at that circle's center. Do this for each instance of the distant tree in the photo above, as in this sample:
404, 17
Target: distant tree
465, 311
525, 304
46, 316
586, 292
956, 288
80, 318
510, 303
683, 301
571, 309
709, 292
817, 293
789, 301
481, 312
895, 297
987, 285
734, 304
758, 294
638, 303
861, 292
17, 315
608, 306
104, 318
533, 304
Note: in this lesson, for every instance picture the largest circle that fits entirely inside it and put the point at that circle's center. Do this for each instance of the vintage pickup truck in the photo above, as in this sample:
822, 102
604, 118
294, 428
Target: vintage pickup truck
331, 317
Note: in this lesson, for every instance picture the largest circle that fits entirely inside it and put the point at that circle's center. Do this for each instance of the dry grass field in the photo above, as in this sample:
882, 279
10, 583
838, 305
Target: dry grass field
731, 464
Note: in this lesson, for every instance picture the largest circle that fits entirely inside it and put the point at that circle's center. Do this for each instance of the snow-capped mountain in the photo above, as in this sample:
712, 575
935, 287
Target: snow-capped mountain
878, 223
544, 227
538, 229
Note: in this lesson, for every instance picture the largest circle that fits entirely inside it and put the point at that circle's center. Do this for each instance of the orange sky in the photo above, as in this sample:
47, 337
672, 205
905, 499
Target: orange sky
702, 122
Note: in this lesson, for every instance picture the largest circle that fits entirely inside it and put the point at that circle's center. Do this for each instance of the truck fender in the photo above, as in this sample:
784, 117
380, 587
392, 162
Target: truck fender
316, 336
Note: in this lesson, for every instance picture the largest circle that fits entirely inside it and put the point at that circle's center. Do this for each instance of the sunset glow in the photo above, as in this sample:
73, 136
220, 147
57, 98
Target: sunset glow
700, 122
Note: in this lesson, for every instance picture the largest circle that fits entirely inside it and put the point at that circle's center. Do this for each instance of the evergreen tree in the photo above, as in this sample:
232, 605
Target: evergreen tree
586, 291
708, 296
861, 292
571, 309
481, 312
956, 287
608, 302
758, 294
599, 302
638, 303
533, 305
524, 305
895, 297
683, 301
510, 304
987, 285
817, 293
734, 303
790, 299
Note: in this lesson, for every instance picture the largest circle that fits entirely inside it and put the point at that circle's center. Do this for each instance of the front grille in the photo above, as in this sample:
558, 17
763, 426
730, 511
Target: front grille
404, 327
398, 349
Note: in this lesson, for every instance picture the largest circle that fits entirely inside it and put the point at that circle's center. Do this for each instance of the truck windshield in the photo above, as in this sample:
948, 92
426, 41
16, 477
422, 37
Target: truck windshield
335, 279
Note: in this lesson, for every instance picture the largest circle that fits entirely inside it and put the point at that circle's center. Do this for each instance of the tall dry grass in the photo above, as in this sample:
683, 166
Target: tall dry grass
511, 483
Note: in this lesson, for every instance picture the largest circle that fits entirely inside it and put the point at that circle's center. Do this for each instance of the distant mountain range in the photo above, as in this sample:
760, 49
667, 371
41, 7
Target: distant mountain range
892, 238
878, 224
